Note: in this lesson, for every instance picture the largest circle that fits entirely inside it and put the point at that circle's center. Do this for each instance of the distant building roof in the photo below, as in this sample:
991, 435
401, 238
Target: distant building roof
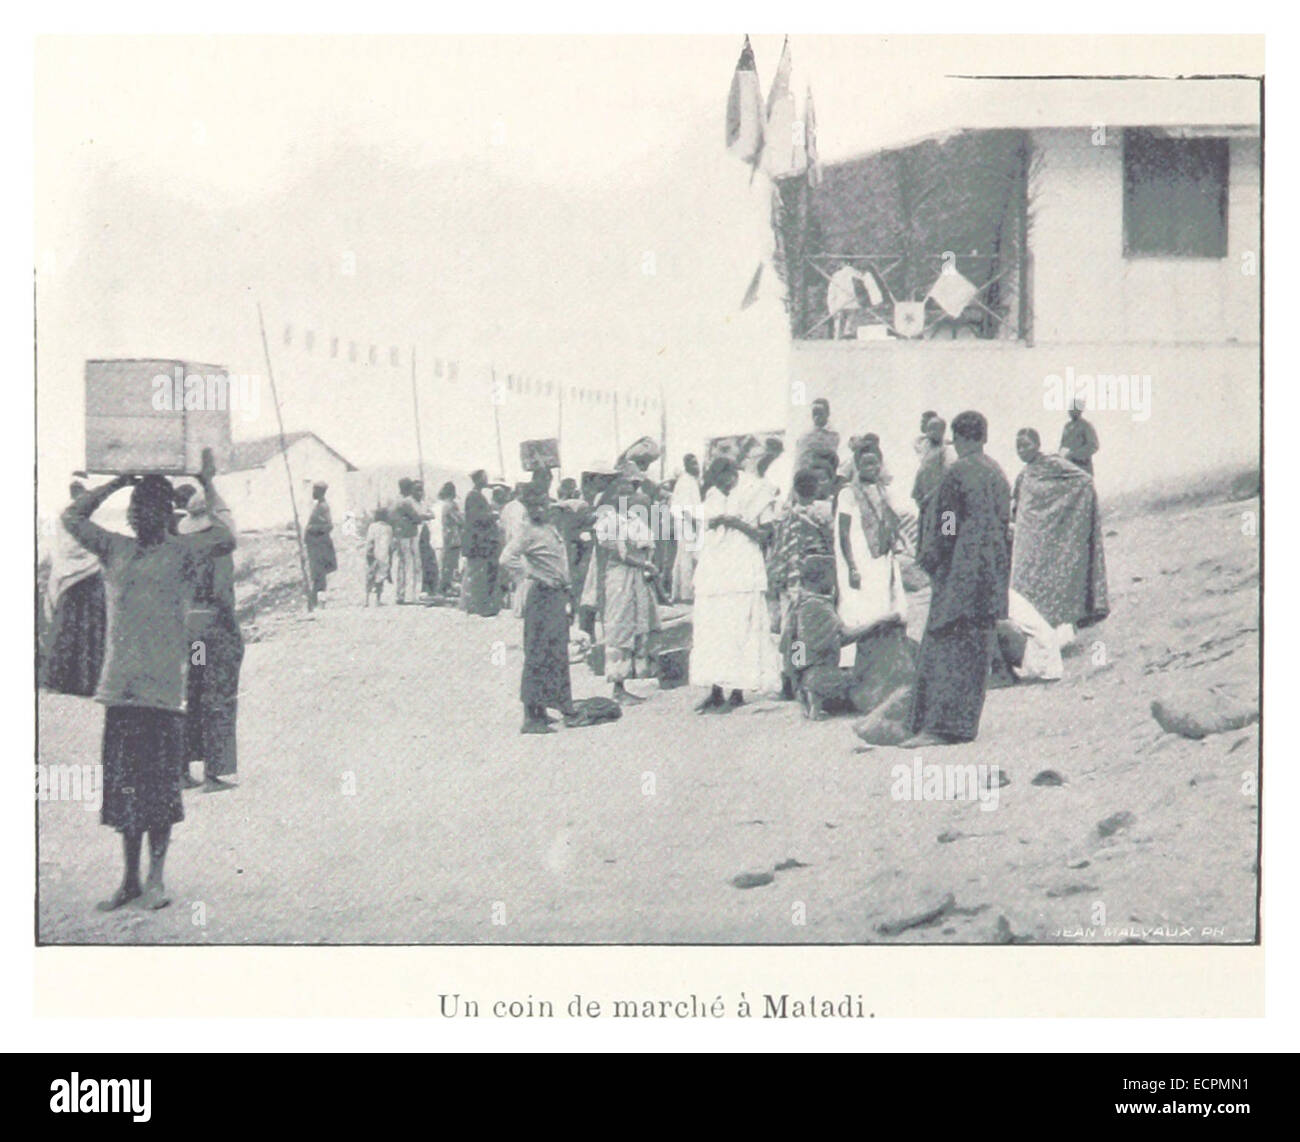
965, 103
246, 454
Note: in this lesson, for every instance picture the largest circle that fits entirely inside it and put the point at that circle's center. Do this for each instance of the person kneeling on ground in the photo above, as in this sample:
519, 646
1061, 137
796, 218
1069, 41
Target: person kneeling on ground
804, 531
817, 635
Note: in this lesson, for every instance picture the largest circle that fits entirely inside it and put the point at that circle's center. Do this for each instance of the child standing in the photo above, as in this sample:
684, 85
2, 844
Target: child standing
379, 548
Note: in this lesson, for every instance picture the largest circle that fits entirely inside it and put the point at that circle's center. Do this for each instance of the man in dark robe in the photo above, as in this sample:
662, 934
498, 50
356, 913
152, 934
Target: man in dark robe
929, 475
424, 543
321, 558
573, 517
819, 442
482, 547
536, 552
1079, 442
216, 654
967, 553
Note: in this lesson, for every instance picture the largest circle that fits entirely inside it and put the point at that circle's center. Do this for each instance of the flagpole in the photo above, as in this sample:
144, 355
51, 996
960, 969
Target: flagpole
496, 417
288, 472
663, 431
415, 400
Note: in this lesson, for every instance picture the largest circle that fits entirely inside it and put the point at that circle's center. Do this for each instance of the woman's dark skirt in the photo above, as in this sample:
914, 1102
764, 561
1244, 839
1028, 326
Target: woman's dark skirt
952, 680
545, 679
428, 563
450, 564
321, 560
74, 647
479, 593
144, 750
212, 692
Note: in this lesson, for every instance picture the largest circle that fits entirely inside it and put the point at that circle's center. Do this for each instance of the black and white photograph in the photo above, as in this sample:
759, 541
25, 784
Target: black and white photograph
645, 490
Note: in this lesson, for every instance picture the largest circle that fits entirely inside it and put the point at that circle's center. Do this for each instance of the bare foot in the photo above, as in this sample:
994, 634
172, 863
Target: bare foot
123, 895
812, 709
710, 704
923, 741
154, 897
535, 727
216, 785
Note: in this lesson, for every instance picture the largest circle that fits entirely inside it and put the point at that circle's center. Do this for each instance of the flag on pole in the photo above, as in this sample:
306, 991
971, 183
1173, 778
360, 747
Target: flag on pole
783, 146
745, 109
810, 140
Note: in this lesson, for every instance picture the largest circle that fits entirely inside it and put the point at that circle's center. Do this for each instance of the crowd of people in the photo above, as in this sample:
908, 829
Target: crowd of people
801, 591
795, 569
611, 551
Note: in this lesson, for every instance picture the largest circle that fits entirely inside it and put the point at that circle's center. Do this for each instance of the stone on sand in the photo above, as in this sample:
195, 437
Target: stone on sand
1203, 712
752, 879
1116, 821
928, 914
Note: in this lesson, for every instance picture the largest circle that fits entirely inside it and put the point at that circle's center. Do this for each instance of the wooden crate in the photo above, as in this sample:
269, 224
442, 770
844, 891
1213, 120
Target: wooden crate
134, 423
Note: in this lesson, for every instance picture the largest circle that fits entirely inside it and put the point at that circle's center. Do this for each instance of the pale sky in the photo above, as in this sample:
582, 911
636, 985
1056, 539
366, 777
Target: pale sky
502, 198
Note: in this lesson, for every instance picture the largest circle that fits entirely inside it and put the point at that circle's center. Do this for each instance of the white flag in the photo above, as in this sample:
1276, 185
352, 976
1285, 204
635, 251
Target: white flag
745, 109
783, 147
810, 141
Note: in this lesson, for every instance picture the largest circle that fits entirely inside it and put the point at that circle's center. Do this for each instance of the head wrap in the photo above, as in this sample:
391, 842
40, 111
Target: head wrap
867, 443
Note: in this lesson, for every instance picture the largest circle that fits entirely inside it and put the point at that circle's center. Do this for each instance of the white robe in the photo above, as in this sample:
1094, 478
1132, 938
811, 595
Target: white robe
880, 591
732, 644
514, 517
1042, 661
684, 508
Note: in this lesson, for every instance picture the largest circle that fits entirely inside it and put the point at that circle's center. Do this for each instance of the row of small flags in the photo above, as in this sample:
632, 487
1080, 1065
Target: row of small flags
529, 386
771, 135
449, 369
359, 354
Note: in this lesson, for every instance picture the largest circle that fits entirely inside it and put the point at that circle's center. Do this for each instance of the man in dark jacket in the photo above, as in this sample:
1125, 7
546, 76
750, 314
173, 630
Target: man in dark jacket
1079, 442
967, 552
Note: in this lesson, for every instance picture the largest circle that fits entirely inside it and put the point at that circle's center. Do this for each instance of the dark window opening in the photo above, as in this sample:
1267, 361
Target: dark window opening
1175, 196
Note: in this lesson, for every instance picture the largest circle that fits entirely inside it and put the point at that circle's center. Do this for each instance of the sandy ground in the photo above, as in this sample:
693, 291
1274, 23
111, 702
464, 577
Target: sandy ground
386, 796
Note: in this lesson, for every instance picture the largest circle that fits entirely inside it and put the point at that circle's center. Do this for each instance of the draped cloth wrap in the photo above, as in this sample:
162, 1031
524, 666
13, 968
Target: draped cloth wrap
1058, 562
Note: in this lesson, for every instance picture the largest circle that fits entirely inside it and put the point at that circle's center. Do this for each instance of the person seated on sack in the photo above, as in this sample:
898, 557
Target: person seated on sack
816, 636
